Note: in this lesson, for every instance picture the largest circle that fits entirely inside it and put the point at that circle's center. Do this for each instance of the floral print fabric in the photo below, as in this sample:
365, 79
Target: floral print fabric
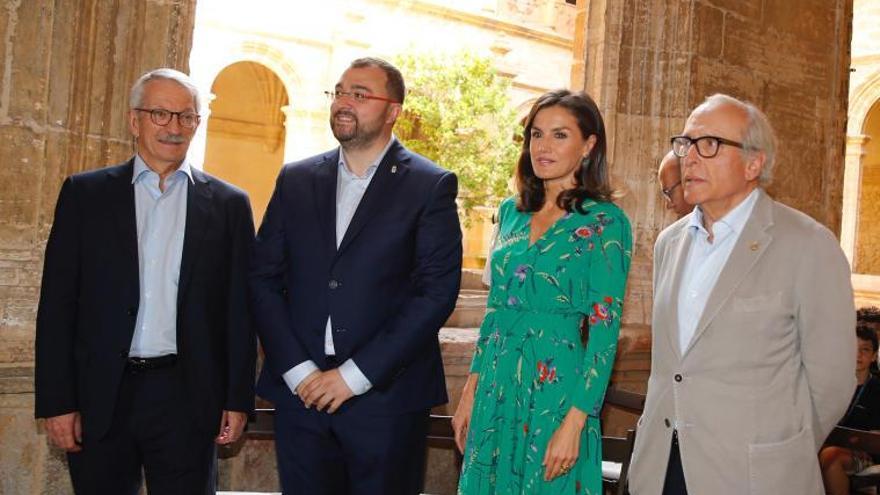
533, 360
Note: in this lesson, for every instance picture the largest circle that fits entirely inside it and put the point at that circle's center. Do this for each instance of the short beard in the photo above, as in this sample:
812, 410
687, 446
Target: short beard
357, 137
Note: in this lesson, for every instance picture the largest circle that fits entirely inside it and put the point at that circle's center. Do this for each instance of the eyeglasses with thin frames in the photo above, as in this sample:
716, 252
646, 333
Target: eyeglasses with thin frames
667, 193
357, 96
707, 146
162, 117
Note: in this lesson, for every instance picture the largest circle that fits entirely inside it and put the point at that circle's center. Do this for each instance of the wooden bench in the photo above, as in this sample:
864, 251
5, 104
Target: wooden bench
617, 451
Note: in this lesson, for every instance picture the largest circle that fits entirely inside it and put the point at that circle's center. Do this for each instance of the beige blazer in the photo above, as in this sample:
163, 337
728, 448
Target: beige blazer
769, 371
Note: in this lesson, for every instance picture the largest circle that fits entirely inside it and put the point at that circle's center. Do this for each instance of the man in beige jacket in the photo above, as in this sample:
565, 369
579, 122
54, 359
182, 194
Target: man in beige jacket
753, 345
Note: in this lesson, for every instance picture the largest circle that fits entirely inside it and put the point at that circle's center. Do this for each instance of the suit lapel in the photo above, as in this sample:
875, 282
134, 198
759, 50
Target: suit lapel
325, 198
387, 175
124, 209
198, 213
751, 245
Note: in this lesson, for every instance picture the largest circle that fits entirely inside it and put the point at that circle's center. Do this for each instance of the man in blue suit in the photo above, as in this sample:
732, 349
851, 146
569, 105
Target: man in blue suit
144, 348
356, 267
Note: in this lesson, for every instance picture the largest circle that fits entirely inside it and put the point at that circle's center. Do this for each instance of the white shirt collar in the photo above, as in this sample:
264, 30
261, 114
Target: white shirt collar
734, 221
140, 166
373, 166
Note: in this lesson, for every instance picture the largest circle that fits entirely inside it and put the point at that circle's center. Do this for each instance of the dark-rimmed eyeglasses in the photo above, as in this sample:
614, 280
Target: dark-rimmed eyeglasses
667, 193
357, 96
707, 146
162, 117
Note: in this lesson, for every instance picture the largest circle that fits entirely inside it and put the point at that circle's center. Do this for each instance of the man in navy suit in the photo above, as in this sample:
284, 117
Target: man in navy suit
356, 267
144, 347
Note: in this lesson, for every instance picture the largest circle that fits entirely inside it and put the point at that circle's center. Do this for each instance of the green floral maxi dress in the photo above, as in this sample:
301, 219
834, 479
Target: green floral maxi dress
532, 362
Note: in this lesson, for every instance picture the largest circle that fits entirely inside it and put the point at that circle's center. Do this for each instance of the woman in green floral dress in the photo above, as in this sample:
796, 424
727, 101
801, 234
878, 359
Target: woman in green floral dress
528, 420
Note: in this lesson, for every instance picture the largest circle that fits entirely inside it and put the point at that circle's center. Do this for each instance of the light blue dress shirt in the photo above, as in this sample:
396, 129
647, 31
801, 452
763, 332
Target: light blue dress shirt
705, 260
350, 189
161, 221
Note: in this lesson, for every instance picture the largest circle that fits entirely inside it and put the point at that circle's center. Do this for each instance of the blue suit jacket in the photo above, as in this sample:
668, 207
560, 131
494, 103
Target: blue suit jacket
90, 295
389, 287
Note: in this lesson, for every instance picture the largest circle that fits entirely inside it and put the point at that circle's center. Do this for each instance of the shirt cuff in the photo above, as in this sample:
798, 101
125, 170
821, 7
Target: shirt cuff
294, 376
354, 378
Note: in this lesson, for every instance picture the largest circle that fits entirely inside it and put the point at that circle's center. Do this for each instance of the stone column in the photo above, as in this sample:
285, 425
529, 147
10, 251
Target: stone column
852, 183
66, 72
649, 62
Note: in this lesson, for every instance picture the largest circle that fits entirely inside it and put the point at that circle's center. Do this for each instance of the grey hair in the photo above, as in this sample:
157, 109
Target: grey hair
758, 135
136, 96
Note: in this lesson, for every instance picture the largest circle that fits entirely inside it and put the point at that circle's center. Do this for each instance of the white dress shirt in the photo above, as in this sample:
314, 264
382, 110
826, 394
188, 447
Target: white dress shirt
350, 189
161, 222
705, 260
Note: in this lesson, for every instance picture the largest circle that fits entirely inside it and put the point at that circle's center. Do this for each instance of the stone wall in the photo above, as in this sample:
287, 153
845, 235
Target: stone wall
649, 62
65, 71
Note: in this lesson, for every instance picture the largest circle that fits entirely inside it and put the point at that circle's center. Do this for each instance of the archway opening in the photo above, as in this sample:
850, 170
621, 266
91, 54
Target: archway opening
868, 238
245, 139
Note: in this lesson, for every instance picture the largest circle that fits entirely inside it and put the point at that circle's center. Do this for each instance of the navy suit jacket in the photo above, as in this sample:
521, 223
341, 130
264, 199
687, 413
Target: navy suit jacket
90, 295
389, 287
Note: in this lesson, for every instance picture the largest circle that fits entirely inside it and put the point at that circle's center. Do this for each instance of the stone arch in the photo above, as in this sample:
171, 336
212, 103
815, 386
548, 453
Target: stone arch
863, 99
246, 130
523, 108
263, 54
248, 51
867, 257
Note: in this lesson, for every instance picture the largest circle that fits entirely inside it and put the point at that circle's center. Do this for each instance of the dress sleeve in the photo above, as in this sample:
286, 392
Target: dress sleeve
609, 266
485, 327
486, 277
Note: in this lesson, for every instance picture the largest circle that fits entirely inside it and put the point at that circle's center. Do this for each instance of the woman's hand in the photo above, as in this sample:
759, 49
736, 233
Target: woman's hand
562, 450
462, 418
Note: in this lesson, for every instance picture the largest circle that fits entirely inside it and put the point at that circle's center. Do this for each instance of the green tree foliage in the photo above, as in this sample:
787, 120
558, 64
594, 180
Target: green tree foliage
457, 113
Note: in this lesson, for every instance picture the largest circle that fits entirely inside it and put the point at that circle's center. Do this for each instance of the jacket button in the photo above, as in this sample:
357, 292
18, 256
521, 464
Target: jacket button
123, 353
667, 422
340, 330
678, 378
333, 284
131, 312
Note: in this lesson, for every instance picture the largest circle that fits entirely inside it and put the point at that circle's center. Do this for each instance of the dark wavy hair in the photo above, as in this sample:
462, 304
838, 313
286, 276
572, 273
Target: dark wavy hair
868, 314
591, 181
864, 332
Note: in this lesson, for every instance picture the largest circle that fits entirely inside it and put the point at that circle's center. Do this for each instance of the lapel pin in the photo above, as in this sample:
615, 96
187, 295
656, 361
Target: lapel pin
754, 246
394, 169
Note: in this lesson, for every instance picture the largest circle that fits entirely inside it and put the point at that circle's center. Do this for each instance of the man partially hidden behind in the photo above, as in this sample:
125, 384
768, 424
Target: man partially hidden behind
870, 317
144, 348
356, 267
669, 177
752, 352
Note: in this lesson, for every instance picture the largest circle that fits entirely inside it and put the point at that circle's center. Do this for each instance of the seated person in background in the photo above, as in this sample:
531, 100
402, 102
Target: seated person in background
863, 414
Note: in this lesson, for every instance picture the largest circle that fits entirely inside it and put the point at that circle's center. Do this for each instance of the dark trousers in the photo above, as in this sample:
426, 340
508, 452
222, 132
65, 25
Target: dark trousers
674, 484
344, 453
151, 431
